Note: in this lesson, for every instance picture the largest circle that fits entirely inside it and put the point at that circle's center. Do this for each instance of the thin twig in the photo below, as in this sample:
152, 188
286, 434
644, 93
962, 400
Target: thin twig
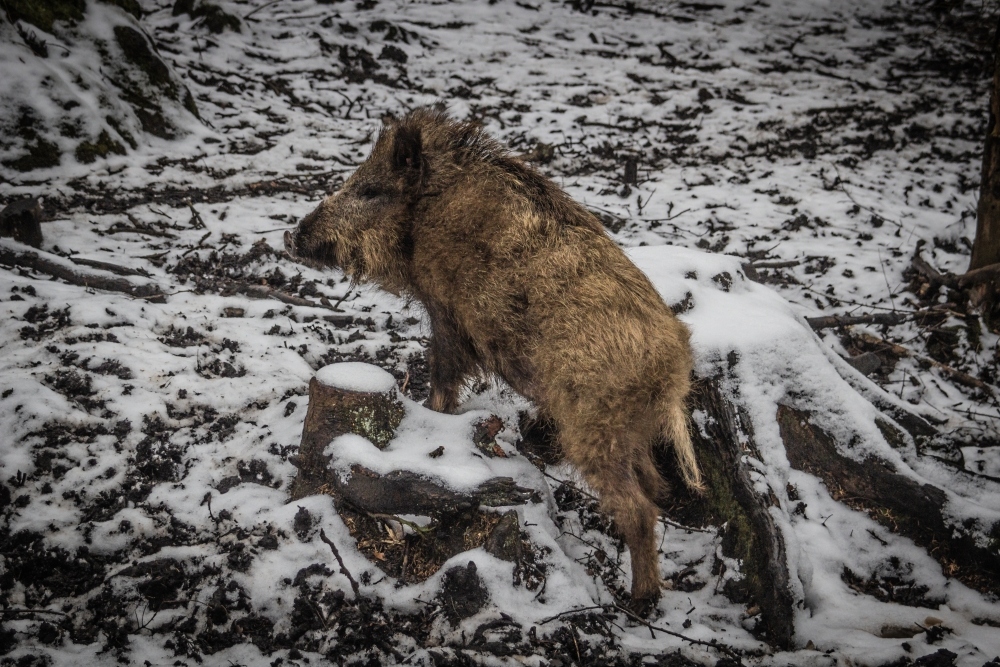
668, 522
782, 264
569, 612
341, 299
731, 652
343, 568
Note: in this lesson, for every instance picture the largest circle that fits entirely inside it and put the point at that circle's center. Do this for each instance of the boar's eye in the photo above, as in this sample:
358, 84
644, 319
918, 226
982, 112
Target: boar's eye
370, 192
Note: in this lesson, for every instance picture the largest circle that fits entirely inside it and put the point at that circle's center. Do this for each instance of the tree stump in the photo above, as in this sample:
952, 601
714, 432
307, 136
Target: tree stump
20, 221
362, 399
724, 443
344, 398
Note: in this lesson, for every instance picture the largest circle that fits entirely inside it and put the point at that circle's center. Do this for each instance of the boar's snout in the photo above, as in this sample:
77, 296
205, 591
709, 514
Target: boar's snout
304, 243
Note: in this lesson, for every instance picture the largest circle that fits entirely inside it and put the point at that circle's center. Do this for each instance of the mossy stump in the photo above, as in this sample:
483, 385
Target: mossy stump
343, 398
362, 399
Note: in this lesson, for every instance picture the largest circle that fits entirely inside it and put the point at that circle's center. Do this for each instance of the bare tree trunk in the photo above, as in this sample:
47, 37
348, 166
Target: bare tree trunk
986, 248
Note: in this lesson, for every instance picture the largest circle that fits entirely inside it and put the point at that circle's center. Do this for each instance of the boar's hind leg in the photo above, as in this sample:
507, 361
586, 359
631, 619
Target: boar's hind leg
451, 359
613, 469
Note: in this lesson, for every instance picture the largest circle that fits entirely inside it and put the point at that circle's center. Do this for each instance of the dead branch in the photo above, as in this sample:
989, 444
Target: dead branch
54, 265
782, 264
890, 319
732, 653
138, 228
985, 274
988, 273
953, 373
229, 286
108, 266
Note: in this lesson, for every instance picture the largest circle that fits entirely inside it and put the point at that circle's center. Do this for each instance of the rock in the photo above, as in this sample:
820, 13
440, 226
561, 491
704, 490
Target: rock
867, 362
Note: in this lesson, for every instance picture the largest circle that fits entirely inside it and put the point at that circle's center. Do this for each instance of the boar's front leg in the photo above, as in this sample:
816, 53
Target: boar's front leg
452, 359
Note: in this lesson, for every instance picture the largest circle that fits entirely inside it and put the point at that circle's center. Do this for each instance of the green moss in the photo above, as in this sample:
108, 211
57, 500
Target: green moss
212, 16
43, 13
739, 539
215, 19
896, 438
190, 105
136, 49
88, 151
41, 155
122, 132
130, 6
378, 425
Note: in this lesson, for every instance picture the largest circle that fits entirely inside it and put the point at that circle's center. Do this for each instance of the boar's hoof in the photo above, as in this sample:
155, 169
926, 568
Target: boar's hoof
644, 606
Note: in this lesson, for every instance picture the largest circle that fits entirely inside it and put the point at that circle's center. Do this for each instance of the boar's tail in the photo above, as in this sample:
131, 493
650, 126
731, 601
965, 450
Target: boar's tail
675, 429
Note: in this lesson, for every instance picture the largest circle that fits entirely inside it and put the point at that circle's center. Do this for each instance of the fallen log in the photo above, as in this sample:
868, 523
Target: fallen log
54, 265
829, 321
405, 492
108, 266
229, 287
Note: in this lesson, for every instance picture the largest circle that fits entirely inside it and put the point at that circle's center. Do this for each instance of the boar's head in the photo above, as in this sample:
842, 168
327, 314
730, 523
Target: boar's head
365, 229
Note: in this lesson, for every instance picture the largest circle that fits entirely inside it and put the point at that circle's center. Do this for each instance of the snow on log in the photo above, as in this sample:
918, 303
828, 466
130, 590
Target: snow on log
892, 498
779, 419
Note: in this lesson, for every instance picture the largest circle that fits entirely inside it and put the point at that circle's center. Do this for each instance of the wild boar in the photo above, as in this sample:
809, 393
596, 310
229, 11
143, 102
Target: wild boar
521, 281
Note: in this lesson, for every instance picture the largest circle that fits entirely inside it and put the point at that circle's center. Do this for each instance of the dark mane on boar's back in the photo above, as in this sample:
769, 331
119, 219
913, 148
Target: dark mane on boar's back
520, 281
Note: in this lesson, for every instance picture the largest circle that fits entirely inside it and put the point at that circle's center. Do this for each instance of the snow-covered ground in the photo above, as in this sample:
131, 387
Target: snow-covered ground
144, 455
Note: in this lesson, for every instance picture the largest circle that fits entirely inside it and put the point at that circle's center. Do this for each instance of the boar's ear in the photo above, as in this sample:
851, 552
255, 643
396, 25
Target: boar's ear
407, 152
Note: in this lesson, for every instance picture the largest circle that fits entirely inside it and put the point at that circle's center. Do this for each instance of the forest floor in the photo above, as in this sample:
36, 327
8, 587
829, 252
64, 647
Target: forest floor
144, 461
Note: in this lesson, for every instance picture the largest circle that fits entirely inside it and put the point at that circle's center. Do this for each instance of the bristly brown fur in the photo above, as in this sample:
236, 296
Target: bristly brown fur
521, 281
